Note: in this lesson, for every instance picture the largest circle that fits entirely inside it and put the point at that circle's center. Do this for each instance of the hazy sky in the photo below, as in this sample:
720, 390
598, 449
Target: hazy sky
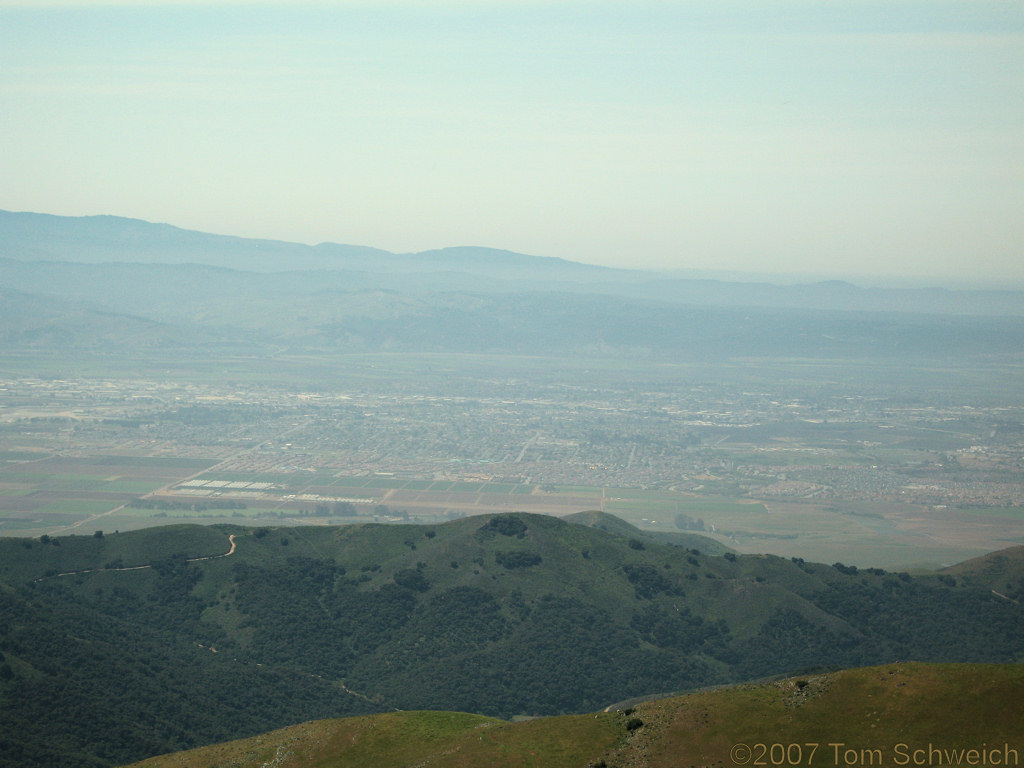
859, 137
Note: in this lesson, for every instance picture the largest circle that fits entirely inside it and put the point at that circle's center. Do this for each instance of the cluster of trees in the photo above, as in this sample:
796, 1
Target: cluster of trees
648, 581
517, 558
687, 523
339, 508
506, 525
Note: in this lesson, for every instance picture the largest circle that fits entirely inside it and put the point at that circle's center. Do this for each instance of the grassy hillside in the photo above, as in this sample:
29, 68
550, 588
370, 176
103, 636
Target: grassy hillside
882, 716
618, 526
158, 640
1002, 572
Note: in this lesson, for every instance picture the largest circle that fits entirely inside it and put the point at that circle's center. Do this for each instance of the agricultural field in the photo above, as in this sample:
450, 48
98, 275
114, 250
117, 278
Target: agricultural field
825, 462
54, 492
61, 495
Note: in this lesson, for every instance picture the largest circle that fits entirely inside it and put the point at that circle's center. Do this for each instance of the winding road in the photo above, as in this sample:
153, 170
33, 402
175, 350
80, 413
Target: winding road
231, 551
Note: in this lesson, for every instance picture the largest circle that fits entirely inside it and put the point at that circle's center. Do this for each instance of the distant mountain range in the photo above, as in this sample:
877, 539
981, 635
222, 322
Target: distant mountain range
106, 239
37, 237
111, 284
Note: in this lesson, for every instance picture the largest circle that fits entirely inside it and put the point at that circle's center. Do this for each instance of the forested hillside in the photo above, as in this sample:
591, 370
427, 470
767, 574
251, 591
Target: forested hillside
120, 646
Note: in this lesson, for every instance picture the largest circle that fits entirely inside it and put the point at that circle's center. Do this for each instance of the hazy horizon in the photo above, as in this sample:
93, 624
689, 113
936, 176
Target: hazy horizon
876, 142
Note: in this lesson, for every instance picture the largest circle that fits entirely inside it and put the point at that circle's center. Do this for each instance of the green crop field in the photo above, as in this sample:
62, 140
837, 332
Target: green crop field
14, 491
417, 485
466, 487
353, 482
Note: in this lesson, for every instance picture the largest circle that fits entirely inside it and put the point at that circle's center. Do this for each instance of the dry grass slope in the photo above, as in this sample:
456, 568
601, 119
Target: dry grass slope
399, 739
871, 711
895, 715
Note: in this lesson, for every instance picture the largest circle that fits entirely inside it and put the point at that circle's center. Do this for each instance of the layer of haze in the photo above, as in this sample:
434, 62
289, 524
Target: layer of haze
857, 138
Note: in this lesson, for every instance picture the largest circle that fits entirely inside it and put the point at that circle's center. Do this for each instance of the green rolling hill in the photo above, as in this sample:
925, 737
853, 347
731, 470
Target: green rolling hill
894, 715
122, 646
